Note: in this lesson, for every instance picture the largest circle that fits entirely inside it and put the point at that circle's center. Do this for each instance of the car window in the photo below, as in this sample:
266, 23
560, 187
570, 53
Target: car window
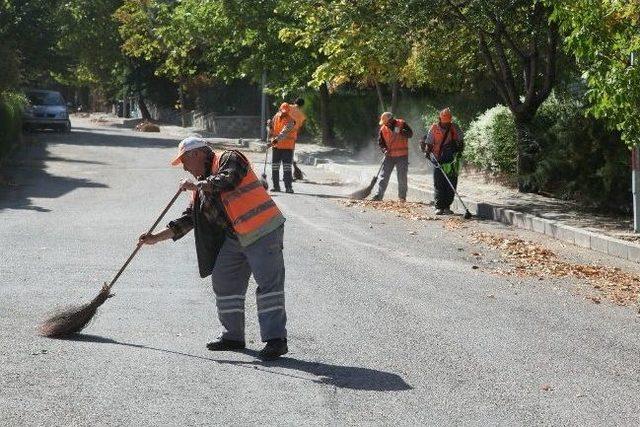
45, 98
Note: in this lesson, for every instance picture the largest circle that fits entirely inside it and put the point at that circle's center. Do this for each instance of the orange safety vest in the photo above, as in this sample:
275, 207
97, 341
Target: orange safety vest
397, 144
251, 210
438, 138
297, 115
289, 140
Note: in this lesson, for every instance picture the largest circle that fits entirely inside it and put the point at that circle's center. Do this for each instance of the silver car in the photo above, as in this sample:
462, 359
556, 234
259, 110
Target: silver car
46, 110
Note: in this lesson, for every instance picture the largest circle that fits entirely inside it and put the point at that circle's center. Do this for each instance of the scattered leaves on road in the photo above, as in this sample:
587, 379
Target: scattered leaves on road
454, 223
415, 211
533, 260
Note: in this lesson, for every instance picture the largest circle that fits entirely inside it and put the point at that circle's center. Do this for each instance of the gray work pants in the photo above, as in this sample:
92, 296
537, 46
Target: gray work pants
402, 167
230, 279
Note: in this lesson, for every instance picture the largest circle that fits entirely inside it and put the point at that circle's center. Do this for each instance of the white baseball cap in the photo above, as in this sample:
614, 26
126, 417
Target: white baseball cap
187, 144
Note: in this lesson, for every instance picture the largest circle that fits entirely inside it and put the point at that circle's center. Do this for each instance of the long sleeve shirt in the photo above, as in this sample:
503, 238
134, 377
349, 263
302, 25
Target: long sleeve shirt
206, 214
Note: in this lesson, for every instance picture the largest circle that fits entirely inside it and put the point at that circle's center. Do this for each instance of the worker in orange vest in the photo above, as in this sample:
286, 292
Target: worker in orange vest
238, 232
393, 139
445, 141
283, 132
297, 114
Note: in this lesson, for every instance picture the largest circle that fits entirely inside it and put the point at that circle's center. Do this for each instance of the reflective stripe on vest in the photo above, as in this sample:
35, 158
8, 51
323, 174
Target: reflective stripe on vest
289, 140
248, 206
438, 138
397, 144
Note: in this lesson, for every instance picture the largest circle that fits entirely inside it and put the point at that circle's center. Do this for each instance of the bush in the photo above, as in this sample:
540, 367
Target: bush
11, 105
491, 143
578, 158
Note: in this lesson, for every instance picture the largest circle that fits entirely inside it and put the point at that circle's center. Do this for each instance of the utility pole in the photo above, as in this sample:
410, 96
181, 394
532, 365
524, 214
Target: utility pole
635, 175
263, 107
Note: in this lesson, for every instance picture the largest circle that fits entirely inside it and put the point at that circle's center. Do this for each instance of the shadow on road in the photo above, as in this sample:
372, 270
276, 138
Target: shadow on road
93, 137
27, 178
321, 196
349, 377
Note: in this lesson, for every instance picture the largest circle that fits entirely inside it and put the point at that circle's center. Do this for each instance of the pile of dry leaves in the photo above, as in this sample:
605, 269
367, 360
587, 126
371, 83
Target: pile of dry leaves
415, 211
530, 259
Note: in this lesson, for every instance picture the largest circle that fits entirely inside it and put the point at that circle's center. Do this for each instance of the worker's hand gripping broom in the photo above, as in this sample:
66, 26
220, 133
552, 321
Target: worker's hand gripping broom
73, 319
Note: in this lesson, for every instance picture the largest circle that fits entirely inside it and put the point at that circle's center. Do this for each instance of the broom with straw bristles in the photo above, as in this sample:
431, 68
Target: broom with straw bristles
73, 319
363, 193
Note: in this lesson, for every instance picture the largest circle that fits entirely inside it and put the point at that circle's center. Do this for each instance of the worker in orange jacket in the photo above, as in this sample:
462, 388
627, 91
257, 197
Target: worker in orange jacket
238, 232
283, 132
445, 141
393, 139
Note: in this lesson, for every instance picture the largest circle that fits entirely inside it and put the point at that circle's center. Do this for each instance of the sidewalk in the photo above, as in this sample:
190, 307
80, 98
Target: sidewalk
560, 219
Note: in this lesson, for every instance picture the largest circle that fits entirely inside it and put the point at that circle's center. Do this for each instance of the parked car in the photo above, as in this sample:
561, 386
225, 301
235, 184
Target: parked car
46, 110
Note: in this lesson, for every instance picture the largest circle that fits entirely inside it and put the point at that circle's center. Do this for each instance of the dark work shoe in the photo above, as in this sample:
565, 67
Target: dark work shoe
225, 345
440, 212
274, 349
448, 211
275, 190
376, 198
289, 190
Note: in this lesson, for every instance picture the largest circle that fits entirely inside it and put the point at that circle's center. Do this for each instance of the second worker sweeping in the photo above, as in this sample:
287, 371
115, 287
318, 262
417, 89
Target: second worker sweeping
283, 133
393, 139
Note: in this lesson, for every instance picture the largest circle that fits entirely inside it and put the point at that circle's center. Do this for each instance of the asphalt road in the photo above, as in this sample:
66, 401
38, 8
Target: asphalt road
388, 321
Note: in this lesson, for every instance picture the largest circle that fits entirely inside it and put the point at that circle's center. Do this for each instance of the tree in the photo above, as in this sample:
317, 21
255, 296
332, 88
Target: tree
89, 39
518, 46
360, 41
603, 34
29, 32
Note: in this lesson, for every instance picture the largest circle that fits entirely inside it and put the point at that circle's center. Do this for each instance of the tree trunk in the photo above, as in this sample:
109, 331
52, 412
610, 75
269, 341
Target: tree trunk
527, 153
143, 108
183, 111
326, 124
380, 98
395, 86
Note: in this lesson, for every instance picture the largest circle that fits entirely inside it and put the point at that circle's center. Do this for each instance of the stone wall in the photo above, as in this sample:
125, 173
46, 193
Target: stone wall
228, 126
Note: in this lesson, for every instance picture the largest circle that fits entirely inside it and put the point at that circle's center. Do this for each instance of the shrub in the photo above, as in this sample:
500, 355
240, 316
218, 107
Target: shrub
491, 143
11, 105
578, 158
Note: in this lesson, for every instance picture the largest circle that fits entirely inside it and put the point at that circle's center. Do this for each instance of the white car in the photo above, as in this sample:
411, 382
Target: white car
46, 110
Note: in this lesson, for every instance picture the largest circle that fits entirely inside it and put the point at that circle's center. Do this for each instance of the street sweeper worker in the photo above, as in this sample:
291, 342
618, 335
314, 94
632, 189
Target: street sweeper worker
393, 139
238, 232
445, 141
283, 132
297, 114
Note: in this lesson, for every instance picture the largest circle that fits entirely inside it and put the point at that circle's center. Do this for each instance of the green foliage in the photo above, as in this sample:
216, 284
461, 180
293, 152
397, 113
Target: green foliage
579, 158
90, 41
491, 142
602, 34
11, 105
362, 42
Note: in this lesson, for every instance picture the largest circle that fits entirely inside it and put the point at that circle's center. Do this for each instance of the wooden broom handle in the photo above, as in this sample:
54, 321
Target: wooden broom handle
139, 245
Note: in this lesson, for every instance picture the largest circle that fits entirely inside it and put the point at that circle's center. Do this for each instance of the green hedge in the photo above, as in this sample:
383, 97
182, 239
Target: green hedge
578, 157
11, 105
491, 142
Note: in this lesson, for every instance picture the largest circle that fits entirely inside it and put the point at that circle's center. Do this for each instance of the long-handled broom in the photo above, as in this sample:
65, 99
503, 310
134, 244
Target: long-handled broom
437, 165
73, 319
263, 177
361, 194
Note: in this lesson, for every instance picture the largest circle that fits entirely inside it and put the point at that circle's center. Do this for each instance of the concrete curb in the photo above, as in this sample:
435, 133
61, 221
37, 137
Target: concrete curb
556, 229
